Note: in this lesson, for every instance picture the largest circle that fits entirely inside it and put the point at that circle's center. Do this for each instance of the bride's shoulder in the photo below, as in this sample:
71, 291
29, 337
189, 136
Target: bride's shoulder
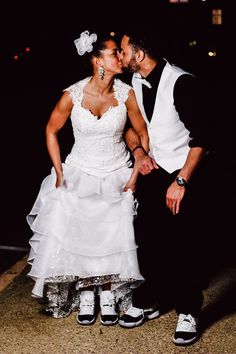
122, 85
76, 90
78, 84
121, 90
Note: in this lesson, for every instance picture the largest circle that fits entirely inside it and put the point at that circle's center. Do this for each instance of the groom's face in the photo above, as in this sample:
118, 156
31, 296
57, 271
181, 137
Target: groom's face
127, 55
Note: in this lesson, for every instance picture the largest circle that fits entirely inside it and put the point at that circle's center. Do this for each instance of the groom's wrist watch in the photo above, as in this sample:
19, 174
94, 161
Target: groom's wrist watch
181, 181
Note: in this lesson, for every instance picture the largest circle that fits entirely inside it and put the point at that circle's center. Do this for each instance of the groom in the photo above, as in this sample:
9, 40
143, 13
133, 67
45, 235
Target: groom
171, 188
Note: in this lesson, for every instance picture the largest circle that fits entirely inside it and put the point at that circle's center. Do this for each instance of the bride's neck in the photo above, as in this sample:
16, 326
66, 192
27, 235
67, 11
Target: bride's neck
102, 85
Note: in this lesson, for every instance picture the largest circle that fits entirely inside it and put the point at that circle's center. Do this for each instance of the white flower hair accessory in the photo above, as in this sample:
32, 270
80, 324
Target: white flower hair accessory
84, 42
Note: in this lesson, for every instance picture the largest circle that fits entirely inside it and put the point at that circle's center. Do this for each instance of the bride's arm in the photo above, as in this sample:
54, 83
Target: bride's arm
57, 120
137, 120
140, 129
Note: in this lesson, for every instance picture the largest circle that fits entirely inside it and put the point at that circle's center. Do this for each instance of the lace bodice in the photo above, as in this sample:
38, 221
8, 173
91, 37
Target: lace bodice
99, 147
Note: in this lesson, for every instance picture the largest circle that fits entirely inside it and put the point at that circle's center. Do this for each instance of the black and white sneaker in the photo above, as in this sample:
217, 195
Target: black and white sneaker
135, 316
186, 331
151, 313
108, 315
86, 315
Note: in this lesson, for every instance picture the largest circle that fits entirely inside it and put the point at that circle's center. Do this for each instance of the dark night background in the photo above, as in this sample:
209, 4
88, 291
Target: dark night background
31, 85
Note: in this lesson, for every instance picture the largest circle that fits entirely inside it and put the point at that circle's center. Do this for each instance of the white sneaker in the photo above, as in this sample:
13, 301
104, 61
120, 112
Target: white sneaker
108, 308
186, 330
86, 314
133, 317
136, 316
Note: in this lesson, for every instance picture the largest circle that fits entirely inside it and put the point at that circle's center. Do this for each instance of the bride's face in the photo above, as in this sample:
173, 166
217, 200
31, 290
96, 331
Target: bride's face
110, 58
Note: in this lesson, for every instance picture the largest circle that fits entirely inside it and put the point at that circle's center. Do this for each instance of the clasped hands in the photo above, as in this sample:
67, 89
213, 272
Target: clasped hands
146, 165
143, 165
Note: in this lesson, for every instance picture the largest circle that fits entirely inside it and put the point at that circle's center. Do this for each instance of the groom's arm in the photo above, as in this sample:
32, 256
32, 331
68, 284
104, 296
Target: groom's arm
143, 162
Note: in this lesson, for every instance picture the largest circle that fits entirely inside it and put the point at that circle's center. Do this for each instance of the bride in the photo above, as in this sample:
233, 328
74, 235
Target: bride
83, 243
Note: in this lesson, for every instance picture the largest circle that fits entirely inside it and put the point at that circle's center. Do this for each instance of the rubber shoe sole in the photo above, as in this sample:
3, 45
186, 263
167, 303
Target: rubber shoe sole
108, 323
183, 342
152, 315
124, 324
148, 315
86, 322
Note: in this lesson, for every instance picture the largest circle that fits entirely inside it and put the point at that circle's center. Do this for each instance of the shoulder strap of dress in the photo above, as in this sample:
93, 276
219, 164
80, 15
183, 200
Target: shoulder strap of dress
121, 90
76, 90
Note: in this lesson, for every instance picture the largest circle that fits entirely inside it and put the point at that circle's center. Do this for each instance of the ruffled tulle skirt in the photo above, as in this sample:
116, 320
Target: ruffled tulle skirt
83, 231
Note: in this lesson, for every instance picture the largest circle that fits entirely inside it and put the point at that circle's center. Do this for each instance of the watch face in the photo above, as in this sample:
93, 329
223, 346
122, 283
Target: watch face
180, 181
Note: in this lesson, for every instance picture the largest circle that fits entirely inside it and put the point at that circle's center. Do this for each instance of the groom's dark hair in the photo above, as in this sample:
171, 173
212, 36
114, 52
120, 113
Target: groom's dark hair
151, 43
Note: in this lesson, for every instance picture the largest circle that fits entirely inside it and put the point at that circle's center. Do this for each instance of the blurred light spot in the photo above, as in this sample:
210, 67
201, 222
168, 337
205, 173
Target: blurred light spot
193, 43
27, 49
217, 17
112, 34
212, 54
177, 1
16, 57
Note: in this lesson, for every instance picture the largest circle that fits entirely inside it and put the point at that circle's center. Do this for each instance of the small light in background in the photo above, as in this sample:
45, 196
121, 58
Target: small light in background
193, 43
20, 56
217, 17
112, 34
178, 1
212, 54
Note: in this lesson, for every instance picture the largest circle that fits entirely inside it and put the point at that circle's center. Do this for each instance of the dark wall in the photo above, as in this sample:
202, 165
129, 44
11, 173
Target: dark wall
32, 85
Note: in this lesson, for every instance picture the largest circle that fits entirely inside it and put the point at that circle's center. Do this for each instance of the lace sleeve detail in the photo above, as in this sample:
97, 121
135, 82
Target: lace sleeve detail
76, 90
121, 90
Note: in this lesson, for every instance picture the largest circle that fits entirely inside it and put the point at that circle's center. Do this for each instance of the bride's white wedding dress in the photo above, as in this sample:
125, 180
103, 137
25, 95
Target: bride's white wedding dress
83, 230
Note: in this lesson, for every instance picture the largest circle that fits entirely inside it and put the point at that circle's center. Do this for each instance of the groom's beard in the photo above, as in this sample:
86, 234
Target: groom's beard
132, 67
127, 69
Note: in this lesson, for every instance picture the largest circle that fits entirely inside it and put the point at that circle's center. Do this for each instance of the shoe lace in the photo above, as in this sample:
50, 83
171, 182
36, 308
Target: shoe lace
186, 321
86, 303
108, 306
134, 311
108, 302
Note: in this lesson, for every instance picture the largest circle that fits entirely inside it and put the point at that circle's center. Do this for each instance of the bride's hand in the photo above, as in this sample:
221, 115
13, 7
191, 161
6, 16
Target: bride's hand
59, 180
131, 183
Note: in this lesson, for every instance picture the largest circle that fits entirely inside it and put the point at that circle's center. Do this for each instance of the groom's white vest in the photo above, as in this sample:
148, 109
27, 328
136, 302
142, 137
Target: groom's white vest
168, 137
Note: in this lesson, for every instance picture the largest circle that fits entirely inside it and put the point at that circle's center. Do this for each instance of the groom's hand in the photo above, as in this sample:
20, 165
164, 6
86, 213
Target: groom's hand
144, 163
147, 165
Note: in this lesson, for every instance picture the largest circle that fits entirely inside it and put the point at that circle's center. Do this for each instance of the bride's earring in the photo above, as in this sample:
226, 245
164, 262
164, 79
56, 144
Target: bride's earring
101, 72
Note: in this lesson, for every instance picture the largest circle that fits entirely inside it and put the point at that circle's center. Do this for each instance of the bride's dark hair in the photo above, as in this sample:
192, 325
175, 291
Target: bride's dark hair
98, 46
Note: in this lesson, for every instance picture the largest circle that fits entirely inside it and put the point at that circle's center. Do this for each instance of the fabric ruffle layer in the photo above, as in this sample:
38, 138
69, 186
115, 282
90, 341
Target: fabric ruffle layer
83, 228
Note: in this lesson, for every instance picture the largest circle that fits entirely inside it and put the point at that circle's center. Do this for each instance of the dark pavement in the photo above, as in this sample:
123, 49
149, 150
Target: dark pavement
24, 329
